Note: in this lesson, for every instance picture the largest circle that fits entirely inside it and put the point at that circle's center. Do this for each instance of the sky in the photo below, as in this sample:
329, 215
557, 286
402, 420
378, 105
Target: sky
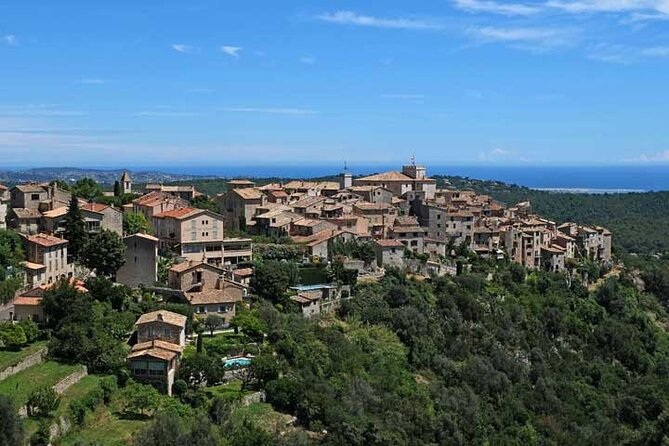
459, 82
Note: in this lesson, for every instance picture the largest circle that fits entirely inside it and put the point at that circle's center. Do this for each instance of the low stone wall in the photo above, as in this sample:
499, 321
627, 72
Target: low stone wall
257, 397
29, 361
70, 380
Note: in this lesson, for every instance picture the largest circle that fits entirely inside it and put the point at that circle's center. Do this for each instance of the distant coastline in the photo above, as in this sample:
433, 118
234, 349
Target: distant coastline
566, 179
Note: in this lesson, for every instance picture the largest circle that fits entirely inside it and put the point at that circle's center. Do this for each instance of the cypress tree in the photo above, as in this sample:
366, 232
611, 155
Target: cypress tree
75, 228
117, 189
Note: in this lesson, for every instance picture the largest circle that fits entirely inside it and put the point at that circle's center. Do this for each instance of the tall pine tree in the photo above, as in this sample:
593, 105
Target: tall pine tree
75, 228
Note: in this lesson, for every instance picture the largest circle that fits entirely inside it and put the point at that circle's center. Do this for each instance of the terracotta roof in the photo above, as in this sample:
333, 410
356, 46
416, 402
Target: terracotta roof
390, 243
243, 272
46, 240
154, 352
248, 193
144, 236
55, 213
31, 265
307, 297
30, 188
317, 238
157, 343
364, 206
307, 201
94, 207
278, 193
241, 181
26, 213
28, 301
229, 294
405, 220
163, 316
387, 176
188, 265
180, 213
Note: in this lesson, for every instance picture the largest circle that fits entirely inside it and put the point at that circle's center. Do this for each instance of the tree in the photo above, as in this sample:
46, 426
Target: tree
42, 402
200, 369
75, 229
249, 322
104, 253
11, 256
60, 184
212, 322
264, 369
135, 222
117, 188
141, 398
12, 336
87, 188
271, 279
165, 430
204, 202
30, 329
11, 428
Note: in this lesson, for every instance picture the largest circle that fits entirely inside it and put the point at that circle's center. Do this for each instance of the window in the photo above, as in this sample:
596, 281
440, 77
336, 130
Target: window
223, 309
201, 310
34, 197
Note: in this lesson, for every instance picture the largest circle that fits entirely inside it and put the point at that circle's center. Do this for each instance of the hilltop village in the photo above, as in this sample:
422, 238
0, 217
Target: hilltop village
185, 264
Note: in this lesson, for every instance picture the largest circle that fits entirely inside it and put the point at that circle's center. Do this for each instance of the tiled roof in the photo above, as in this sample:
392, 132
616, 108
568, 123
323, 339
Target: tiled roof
307, 201
33, 266
241, 182
163, 316
144, 236
45, 240
390, 243
55, 213
30, 188
248, 193
28, 301
22, 213
94, 207
243, 272
229, 294
364, 206
179, 213
157, 343
387, 176
188, 265
154, 352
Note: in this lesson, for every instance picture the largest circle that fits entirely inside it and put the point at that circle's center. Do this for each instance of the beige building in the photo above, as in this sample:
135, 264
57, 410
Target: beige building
194, 234
46, 259
238, 206
161, 337
155, 203
389, 253
100, 217
412, 178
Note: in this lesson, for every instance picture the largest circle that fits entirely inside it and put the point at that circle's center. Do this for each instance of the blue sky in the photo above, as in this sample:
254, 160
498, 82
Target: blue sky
466, 82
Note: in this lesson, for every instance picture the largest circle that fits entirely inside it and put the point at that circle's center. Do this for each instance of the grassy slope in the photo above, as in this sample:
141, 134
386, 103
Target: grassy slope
9, 358
48, 373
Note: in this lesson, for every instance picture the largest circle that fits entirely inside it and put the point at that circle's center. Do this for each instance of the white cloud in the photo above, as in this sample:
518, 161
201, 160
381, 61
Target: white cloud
9, 39
496, 154
182, 48
658, 51
403, 96
615, 6
353, 18
91, 81
166, 114
616, 54
277, 111
308, 60
545, 37
231, 50
658, 157
510, 9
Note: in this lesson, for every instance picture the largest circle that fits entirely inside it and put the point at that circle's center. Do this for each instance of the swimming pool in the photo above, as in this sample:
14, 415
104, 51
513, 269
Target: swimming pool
237, 362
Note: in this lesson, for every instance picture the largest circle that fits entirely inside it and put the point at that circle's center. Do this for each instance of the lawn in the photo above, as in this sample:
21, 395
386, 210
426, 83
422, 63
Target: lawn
231, 391
48, 373
9, 358
264, 415
107, 430
77, 391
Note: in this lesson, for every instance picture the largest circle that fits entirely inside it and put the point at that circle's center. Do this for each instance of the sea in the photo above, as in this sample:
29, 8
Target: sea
577, 179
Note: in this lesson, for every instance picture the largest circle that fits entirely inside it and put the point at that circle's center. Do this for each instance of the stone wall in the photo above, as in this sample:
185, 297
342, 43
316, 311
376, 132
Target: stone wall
29, 361
70, 380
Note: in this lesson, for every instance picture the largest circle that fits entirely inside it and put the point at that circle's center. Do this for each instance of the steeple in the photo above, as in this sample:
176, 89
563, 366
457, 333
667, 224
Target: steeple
126, 183
345, 178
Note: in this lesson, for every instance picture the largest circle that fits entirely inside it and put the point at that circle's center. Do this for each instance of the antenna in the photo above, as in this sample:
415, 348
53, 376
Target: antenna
413, 159
345, 166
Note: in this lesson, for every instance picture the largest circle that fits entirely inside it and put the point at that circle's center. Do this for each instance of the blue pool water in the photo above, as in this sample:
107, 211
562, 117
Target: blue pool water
237, 362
